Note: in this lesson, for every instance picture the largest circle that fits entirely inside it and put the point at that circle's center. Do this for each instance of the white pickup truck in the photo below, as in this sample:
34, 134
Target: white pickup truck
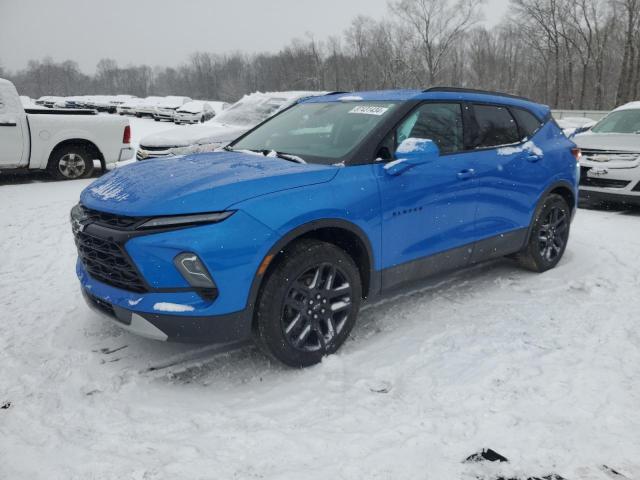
63, 142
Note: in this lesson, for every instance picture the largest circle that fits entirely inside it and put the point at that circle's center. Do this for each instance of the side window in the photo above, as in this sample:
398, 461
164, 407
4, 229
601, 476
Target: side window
494, 126
527, 123
440, 122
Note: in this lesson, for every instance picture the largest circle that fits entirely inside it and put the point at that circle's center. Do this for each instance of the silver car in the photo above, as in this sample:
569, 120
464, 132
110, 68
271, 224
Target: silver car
610, 164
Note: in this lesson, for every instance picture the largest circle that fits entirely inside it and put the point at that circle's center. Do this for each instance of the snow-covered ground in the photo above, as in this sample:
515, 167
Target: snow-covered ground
544, 369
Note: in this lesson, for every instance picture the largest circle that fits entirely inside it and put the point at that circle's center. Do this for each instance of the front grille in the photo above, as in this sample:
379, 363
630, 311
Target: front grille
595, 155
107, 262
587, 181
109, 220
154, 149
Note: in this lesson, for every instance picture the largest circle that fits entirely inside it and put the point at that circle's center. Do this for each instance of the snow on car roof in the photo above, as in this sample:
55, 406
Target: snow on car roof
628, 106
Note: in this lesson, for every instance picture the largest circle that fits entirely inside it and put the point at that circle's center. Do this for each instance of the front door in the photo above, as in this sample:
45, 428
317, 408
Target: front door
428, 209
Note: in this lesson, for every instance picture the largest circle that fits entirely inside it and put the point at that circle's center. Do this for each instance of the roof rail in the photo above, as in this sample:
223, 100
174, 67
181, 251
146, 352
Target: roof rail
473, 90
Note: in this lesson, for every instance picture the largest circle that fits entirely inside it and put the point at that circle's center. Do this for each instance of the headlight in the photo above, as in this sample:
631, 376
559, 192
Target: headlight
183, 220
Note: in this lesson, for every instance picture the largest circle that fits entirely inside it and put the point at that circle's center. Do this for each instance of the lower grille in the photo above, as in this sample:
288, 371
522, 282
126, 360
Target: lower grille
587, 181
106, 261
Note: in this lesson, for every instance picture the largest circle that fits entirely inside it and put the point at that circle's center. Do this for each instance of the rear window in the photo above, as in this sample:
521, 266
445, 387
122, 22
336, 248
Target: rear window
494, 126
527, 122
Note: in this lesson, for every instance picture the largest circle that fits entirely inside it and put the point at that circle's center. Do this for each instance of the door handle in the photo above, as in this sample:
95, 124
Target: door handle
467, 173
8, 124
532, 157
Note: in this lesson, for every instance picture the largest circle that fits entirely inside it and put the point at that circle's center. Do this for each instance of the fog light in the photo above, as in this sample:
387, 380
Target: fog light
193, 270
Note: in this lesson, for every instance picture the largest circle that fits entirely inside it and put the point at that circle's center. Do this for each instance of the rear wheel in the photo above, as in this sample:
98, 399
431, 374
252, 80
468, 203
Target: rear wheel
70, 162
309, 303
549, 235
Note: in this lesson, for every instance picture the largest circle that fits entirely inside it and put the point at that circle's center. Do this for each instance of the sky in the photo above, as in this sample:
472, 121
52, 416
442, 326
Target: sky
166, 32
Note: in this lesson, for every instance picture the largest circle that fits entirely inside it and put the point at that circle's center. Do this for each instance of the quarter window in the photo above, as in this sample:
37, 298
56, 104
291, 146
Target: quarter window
527, 122
494, 126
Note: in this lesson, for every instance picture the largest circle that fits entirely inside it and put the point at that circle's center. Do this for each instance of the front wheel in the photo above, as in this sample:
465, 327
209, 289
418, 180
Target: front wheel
309, 303
549, 235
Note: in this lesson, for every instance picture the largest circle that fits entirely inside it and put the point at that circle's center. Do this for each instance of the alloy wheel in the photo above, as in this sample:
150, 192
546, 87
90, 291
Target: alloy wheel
552, 234
316, 308
72, 165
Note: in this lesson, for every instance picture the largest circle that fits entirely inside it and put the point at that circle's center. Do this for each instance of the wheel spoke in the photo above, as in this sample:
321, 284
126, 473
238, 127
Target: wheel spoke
341, 305
341, 291
294, 322
316, 278
303, 335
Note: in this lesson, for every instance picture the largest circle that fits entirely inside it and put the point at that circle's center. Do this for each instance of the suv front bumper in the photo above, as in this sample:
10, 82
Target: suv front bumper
234, 327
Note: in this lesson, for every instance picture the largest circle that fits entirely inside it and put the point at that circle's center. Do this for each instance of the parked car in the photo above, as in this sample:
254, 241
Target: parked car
166, 109
218, 107
128, 107
236, 120
194, 112
48, 101
282, 235
611, 157
147, 107
63, 142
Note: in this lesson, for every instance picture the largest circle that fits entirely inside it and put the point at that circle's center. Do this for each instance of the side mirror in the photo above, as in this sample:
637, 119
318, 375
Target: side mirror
411, 153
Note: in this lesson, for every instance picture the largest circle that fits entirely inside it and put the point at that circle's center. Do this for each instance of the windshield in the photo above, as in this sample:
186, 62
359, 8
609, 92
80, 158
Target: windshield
251, 111
317, 132
622, 121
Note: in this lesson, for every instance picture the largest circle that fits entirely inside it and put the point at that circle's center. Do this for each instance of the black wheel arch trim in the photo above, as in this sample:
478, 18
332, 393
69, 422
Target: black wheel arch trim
300, 231
554, 186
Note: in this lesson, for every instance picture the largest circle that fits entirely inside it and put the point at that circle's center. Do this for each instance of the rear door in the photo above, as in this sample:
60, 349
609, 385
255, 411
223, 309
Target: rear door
430, 208
13, 132
509, 171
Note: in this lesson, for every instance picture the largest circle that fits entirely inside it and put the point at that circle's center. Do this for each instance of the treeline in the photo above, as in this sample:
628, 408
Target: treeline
582, 54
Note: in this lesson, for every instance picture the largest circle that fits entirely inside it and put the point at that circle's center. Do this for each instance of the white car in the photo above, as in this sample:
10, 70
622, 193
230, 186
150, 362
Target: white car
610, 164
147, 106
241, 117
166, 109
128, 107
63, 142
196, 111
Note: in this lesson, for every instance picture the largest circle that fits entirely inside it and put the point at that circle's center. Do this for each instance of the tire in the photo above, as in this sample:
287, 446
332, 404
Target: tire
156, 119
202, 119
293, 323
71, 162
548, 236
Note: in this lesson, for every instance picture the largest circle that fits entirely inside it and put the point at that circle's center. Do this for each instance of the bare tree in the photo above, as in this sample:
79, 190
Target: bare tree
435, 26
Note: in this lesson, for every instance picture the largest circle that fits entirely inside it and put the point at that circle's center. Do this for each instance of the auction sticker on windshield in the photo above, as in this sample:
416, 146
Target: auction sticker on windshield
369, 110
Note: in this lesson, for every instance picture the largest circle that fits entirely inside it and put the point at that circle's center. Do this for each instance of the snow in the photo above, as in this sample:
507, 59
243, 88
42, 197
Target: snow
390, 165
410, 145
525, 147
350, 98
172, 307
544, 369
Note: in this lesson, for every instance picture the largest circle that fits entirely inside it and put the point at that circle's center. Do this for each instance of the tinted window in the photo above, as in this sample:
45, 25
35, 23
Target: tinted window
527, 122
494, 126
440, 122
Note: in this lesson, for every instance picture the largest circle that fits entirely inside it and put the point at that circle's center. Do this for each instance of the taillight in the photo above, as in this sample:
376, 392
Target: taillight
577, 153
126, 138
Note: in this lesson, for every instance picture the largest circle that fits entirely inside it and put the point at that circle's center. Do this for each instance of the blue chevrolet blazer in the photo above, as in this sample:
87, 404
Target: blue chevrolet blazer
284, 233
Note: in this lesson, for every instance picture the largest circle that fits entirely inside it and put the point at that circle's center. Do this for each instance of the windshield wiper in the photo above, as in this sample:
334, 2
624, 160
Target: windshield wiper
269, 153
285, 156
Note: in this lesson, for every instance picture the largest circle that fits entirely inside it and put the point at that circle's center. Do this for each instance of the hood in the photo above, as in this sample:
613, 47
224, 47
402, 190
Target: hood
621, 142
197, 183
193, 135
